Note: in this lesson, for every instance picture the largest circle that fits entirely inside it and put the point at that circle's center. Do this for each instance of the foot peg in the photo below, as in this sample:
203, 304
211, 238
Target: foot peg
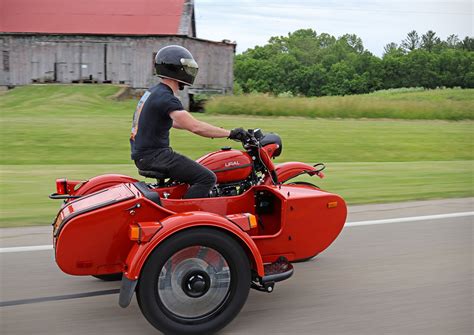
277, 271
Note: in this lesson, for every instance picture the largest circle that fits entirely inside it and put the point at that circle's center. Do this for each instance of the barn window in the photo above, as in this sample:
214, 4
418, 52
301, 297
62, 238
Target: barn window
6, 60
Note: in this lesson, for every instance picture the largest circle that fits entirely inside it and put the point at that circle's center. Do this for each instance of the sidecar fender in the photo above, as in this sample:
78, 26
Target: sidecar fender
188, 220
172, 225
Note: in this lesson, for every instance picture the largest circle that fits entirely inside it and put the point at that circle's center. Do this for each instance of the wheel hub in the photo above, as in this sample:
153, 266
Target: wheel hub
196, 284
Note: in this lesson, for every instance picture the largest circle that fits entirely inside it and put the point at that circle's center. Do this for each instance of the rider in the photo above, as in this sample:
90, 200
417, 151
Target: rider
158, 110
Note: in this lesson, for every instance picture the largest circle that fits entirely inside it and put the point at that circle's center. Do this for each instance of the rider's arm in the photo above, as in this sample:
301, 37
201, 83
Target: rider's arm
184, 120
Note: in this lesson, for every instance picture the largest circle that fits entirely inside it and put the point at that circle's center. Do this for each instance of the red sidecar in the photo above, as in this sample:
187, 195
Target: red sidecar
191, 262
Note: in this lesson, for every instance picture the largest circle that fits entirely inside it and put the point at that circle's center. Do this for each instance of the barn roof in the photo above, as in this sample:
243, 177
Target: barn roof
114, 17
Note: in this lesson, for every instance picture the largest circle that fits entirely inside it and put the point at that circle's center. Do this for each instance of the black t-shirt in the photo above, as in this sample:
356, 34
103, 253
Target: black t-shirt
152, 122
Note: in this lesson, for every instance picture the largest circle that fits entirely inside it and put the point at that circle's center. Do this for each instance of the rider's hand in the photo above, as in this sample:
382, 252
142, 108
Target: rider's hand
239, 134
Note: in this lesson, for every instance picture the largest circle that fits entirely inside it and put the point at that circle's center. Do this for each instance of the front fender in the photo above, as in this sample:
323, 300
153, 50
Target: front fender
100, 182
289, 170
179, 222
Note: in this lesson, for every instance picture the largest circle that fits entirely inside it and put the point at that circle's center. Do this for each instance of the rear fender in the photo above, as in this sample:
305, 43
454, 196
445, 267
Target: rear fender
179, 222
172, 225
289, 170
103, 181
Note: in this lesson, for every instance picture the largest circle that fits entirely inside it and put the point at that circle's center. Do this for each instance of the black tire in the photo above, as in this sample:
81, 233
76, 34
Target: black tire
163, 268
110, 277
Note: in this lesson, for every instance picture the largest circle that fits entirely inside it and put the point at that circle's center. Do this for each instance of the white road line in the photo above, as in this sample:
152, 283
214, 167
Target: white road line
409, 219
22, 249
348, 224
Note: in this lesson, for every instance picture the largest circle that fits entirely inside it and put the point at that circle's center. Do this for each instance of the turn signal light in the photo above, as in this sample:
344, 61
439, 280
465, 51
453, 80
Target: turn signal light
332, 204
134, 233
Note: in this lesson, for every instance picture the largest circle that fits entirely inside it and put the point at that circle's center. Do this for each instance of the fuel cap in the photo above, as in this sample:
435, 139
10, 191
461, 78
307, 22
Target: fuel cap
226, 148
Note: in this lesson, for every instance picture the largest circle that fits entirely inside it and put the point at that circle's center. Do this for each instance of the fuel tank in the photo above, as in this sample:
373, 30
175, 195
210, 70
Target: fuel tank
228, 165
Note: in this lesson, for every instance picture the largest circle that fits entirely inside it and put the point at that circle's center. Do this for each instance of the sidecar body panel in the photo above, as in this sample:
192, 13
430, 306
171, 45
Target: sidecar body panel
91, 233
306, 221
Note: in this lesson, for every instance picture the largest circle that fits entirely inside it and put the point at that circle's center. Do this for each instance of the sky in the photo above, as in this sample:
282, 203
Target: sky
377, 22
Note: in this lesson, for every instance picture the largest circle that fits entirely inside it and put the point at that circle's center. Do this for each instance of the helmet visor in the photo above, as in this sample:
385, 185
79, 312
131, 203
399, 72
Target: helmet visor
190, 66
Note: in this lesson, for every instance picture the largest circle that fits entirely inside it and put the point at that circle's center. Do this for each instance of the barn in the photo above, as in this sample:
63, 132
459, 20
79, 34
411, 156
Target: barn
105, 41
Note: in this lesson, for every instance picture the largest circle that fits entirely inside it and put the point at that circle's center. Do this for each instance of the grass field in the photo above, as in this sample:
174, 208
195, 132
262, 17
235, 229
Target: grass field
410, 104
53, 131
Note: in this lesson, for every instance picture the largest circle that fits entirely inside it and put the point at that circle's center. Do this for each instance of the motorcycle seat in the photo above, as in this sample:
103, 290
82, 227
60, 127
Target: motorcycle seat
152, 174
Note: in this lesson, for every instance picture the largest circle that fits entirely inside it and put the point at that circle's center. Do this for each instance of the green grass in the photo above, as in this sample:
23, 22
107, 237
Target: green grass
53, 124
53, 131
446, 104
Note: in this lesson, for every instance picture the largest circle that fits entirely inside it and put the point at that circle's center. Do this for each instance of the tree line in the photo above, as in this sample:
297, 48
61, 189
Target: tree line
311, 64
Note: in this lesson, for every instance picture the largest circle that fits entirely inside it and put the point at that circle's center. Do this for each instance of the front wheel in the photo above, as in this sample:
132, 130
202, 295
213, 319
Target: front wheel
195, 282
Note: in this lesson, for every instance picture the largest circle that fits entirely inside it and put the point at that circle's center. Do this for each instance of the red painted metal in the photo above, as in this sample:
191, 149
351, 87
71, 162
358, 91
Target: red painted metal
305, 227
271, 148
242, 220
110, 17
289, 170
228, 165
100, 182
91, 233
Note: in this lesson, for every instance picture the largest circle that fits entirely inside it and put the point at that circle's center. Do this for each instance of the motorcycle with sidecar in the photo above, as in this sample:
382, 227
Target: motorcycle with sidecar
192, 262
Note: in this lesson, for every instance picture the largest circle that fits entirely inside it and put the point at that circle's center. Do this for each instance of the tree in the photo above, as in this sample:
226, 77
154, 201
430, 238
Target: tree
311, 64
429, 41
453, 41
391, 48
468, 43
411, 42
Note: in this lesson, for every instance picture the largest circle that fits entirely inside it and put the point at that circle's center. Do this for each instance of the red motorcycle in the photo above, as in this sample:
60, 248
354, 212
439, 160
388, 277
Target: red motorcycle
191, 262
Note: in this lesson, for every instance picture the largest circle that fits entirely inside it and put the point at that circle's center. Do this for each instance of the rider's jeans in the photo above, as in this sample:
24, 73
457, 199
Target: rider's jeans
180, 168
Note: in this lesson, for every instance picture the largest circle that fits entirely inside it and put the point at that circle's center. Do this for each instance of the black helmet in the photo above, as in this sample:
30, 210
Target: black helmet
177, 63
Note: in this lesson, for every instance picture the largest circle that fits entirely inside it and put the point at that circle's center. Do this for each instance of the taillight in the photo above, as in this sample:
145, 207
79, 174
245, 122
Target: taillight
61, 186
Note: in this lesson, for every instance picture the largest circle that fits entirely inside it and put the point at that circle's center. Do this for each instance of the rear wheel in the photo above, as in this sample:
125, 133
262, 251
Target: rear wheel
195, 282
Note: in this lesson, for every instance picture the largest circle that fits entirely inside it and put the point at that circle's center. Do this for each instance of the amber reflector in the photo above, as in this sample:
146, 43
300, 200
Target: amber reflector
332, 204
134, 233
252, 221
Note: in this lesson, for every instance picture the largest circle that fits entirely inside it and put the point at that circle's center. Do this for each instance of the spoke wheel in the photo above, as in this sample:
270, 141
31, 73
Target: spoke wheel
194, 282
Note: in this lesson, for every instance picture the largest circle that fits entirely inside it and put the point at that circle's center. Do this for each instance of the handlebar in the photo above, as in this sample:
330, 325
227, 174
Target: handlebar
254, 137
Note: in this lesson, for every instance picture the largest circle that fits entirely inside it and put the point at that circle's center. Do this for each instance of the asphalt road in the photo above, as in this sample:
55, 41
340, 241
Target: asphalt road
396, 278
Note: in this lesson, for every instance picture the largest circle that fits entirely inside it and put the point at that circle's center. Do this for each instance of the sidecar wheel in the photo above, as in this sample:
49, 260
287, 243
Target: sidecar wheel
195, 282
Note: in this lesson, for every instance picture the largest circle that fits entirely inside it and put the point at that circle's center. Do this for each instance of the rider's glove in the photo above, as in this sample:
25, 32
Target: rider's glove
239, 134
